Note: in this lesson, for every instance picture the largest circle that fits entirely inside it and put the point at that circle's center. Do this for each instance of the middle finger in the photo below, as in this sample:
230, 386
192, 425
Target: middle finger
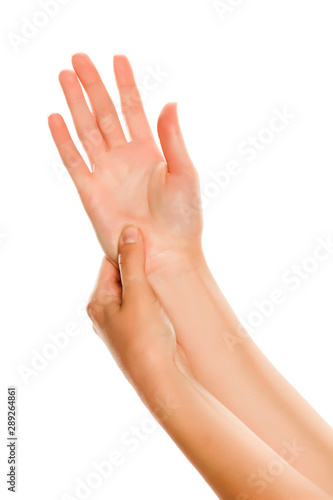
101, 103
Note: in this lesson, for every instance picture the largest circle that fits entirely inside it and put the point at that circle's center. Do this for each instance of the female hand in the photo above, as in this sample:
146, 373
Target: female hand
128, 317
130, 320
130, 181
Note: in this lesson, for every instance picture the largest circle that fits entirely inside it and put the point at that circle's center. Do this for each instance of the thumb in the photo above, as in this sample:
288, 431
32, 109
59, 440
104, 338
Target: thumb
172, 141
131, 258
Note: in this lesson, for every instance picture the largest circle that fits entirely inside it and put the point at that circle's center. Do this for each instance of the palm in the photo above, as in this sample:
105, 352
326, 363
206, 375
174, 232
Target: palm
131, 181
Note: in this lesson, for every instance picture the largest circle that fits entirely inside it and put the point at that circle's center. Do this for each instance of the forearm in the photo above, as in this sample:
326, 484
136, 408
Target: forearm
230, 457
226, 361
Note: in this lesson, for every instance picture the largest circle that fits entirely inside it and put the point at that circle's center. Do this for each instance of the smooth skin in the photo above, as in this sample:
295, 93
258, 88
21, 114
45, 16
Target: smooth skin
133, 182
129, 318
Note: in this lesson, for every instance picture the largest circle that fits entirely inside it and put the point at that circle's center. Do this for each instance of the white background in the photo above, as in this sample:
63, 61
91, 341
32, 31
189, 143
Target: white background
227, 74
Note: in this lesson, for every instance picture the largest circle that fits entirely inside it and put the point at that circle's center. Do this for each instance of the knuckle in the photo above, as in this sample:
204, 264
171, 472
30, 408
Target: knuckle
107, 118
131, 103
71, 156
95, 311
90, 137
128, 267
95, 330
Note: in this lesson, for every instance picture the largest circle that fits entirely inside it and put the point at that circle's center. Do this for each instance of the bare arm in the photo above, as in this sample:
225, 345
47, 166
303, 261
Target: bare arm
233, 460
227, 362
134, 182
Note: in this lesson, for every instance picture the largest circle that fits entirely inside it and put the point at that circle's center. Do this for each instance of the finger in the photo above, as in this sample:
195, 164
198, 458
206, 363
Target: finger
85, 123
131, 254
69, 154
106, 295
172, 141
131, 103
101, 103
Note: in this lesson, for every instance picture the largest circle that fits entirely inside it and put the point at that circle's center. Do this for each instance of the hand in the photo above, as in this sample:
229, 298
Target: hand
129, 318
130, 181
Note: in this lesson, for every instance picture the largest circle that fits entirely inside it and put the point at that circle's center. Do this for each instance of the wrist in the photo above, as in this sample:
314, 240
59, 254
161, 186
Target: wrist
172, 265
157, 381
164, 394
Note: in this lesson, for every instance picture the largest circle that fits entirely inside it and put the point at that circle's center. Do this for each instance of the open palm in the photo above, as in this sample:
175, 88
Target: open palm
130, 181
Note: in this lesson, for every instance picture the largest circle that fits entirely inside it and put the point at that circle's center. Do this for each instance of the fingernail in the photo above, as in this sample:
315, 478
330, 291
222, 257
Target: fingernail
129, 234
